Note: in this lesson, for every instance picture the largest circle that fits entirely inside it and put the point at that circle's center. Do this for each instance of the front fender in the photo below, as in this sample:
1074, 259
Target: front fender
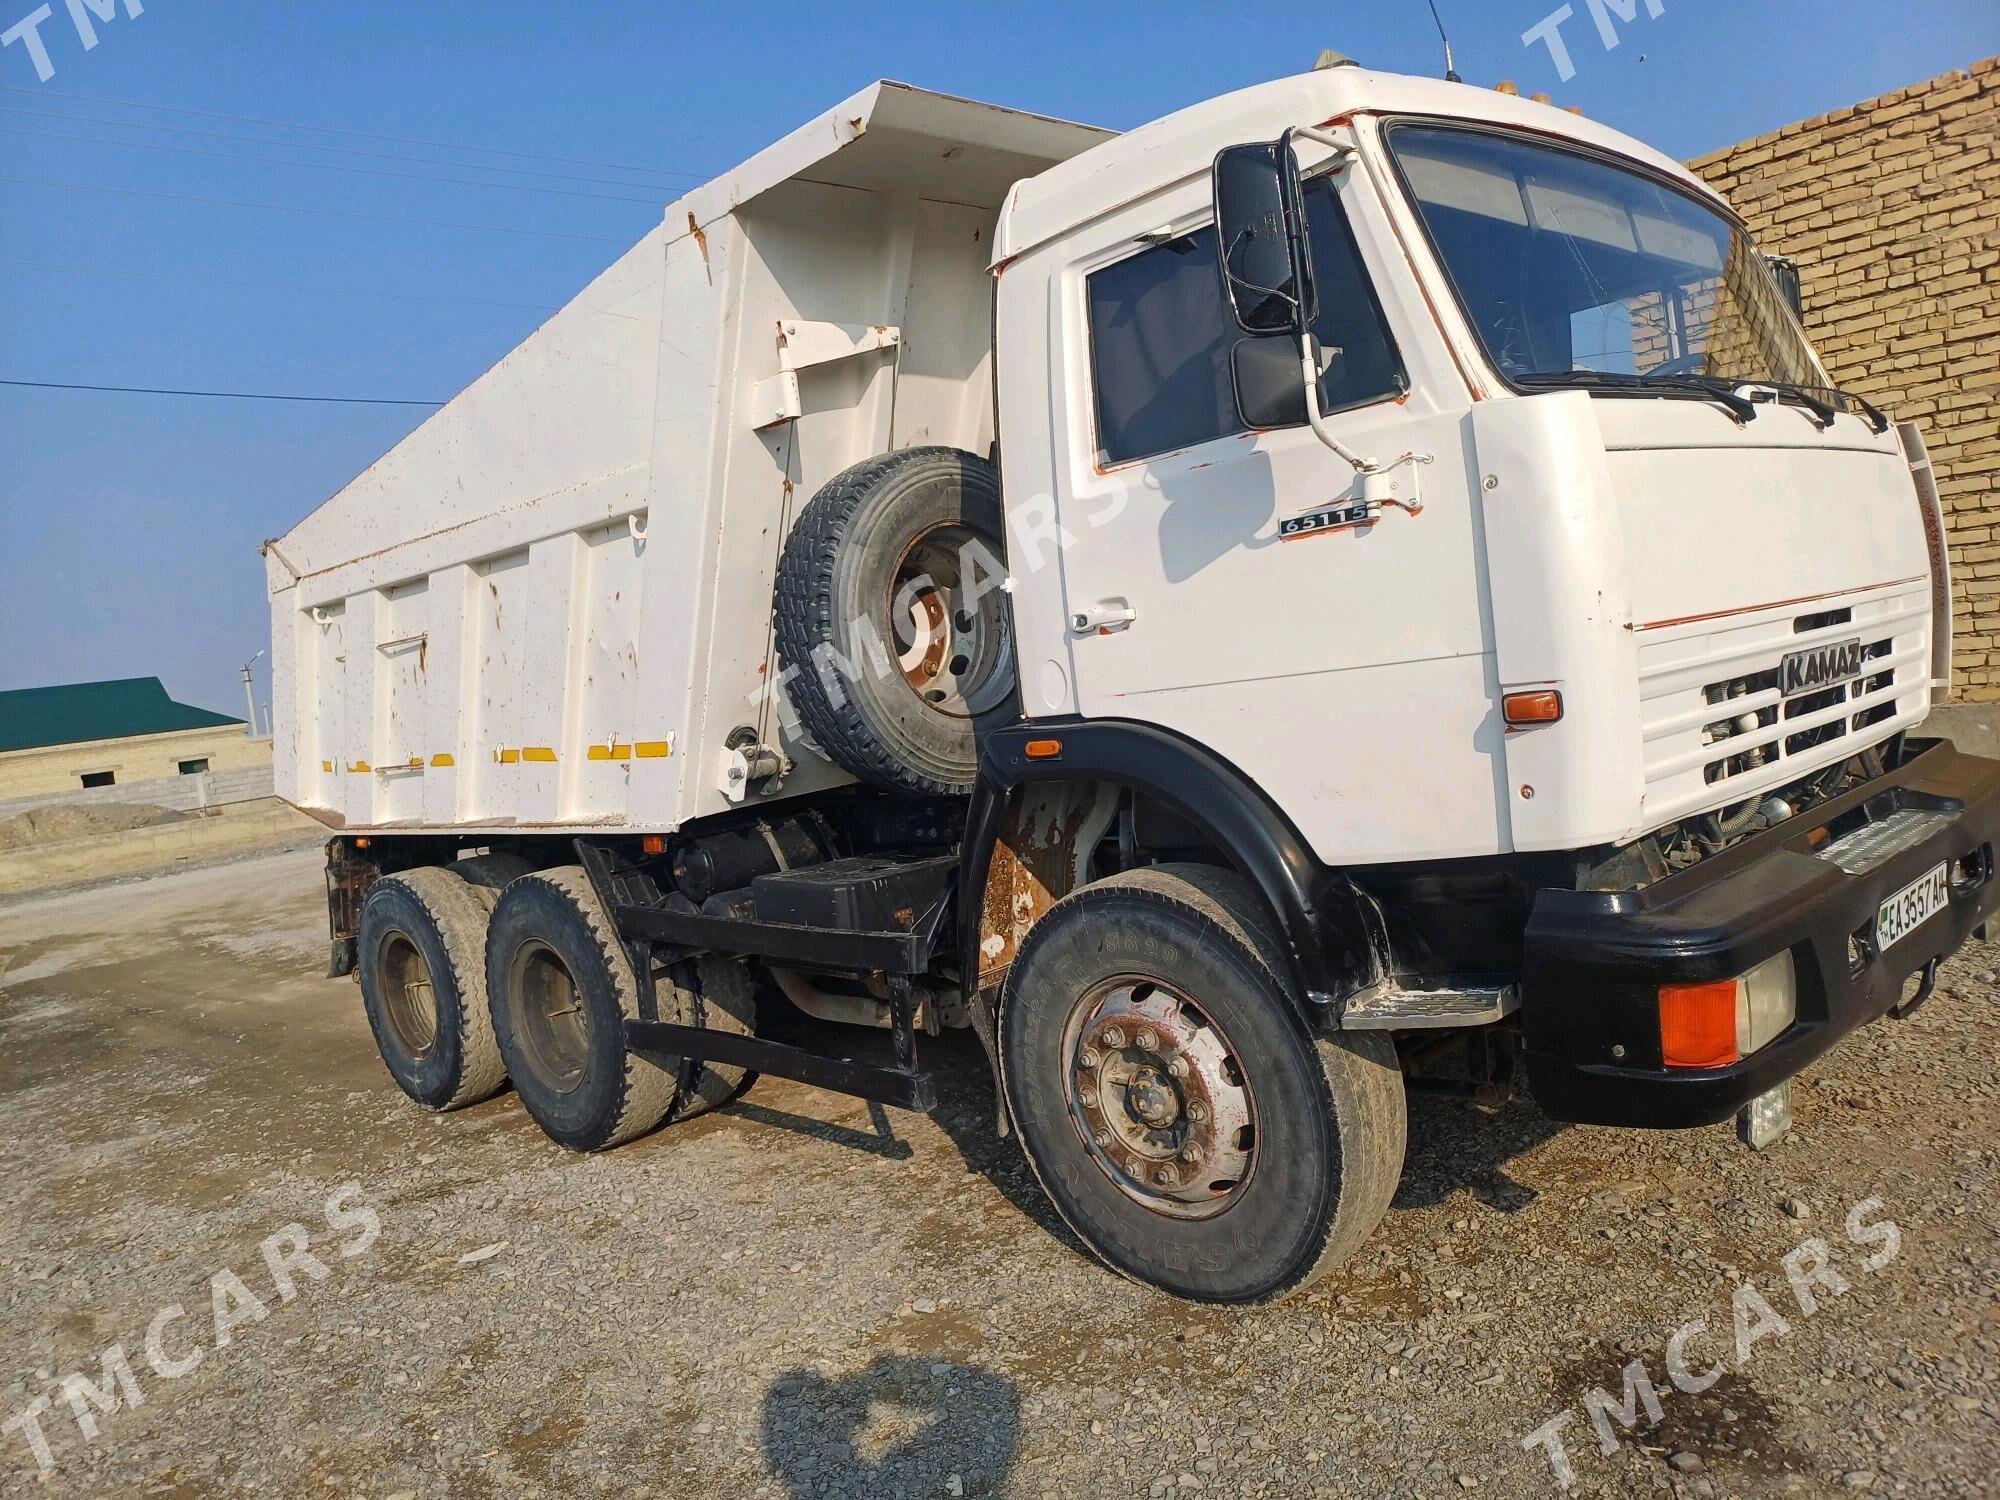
1333, 936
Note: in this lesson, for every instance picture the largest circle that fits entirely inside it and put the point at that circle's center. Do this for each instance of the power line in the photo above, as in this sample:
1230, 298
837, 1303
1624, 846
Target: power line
218, 135
146, 390
401, 140
323, 166
270, 286
294, 208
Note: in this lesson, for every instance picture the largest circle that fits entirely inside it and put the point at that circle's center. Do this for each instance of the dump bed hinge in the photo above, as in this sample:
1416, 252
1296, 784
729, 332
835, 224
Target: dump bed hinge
801, 346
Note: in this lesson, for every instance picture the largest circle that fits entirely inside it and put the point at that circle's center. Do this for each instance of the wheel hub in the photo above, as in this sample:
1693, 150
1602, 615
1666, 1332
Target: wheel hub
1159, 1098
951, 636
407, 1002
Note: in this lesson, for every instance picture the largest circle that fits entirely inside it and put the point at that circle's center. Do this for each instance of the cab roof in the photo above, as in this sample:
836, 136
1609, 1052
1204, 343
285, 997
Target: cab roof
1182, 145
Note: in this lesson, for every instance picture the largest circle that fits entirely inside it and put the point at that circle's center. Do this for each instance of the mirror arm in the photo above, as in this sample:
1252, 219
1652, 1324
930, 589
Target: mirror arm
1310, 368
1342, 152
1380, 492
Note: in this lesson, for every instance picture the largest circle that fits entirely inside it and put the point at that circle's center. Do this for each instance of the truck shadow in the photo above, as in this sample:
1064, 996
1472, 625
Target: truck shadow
907, 1425
1454, 1146
966, 1112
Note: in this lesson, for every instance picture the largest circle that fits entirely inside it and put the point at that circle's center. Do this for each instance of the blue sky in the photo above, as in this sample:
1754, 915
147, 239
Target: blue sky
129, 524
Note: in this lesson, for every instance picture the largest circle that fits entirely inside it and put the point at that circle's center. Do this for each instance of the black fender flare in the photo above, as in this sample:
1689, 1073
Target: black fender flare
1333, 934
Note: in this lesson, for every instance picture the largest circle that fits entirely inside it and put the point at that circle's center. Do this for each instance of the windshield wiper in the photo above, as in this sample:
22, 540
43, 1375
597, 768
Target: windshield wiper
1824, 413
1826, 409
1720, 391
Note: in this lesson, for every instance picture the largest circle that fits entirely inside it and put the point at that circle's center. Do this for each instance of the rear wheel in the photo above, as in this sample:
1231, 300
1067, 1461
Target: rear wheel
1182, 1118
562, 989
422, 956
489, 873
720, 995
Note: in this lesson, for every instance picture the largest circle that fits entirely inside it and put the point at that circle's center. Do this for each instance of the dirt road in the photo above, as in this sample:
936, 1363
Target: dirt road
799, 1296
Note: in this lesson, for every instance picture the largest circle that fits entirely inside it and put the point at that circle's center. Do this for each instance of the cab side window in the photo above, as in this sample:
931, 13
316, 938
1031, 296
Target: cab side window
1161, 336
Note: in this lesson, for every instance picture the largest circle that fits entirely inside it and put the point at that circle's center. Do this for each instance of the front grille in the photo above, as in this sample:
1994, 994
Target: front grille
1718, 728
1819, 714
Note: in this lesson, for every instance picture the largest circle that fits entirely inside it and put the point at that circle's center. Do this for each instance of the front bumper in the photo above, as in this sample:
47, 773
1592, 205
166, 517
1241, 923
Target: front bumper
1594, 961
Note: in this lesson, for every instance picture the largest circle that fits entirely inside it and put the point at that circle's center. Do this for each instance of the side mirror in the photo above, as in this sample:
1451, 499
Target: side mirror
1785, 271
1270, 389
1260, 238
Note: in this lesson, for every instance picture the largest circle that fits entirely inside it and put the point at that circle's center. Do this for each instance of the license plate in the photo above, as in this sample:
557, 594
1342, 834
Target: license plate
1820, 667
1911, 907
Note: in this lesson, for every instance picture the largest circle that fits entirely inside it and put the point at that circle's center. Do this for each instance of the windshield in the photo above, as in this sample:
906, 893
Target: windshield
1569, 263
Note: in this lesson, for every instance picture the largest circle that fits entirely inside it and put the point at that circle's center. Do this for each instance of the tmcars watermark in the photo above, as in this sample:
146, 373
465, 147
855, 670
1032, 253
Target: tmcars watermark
231, 1304
1548, 31
28, 30
1812, 1278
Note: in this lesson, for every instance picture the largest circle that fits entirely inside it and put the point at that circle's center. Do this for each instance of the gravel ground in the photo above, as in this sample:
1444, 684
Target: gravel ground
804, 1296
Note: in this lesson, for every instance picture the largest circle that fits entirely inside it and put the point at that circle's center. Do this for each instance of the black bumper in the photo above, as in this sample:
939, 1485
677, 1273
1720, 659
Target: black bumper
1594, 962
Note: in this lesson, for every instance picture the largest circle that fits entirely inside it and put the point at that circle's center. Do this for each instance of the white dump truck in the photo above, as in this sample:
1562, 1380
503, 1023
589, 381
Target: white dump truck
1358, 586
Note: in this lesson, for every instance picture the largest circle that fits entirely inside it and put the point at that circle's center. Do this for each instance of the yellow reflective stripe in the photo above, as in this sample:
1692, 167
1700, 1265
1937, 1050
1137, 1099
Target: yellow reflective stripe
507, 757
653, 749
613, 751
537, 752
443, 760
326, 765
358, 767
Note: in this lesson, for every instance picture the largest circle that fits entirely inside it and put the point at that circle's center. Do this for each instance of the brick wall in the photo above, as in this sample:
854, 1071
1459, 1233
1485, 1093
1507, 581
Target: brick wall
1892, 209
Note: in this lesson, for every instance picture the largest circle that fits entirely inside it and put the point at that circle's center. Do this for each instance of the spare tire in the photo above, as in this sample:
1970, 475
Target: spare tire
892, 622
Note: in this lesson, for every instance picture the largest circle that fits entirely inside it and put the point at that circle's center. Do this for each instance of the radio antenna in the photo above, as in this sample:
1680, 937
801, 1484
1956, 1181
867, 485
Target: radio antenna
1450, 72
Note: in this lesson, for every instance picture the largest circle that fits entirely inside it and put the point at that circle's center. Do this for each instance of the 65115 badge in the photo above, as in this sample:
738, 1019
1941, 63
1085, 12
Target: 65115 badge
1342, 517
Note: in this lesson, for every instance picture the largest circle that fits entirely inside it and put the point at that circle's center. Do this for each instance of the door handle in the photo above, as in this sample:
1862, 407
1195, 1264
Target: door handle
1106, 617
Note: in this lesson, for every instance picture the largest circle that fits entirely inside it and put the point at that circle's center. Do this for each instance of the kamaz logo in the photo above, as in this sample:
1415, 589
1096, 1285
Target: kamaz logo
1820, 667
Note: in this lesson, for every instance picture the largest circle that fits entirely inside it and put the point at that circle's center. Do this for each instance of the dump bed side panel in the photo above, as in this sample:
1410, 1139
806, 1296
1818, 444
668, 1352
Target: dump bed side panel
457, 630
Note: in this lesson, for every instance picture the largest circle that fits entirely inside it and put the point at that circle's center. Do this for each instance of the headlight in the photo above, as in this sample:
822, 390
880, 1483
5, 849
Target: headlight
1767, 1002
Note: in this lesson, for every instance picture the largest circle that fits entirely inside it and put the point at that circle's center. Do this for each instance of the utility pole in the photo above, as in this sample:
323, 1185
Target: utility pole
250, 699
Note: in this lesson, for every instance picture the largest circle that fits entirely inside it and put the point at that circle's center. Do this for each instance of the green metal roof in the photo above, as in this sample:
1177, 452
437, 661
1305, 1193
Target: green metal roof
75, 712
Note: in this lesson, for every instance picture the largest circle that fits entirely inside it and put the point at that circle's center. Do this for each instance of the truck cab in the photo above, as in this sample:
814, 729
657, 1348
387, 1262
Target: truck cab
1507, 297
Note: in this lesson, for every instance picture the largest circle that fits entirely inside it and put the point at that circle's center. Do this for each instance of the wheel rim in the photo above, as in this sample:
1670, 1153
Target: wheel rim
954, 651
409, 1004
549, 1016
1159, 1098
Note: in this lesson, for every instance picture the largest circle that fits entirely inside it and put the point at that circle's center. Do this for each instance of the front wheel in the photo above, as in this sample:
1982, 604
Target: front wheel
1182, 1118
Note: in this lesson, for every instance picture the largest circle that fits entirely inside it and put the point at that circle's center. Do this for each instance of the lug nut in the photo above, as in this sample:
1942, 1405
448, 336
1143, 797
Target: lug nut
1192, 1154
1147, 1041
1197, 1109
1164, 1177
1090, 1057
1103, 1138
1088, 1098
1178, 1066
1114, 1036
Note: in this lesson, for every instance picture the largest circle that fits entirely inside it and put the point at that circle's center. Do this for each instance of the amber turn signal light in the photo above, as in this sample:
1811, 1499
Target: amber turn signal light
1042, 749
1523, 709
1698, 1024
653, 843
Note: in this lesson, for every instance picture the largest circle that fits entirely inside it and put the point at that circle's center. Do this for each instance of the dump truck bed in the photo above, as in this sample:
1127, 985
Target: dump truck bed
550, 605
